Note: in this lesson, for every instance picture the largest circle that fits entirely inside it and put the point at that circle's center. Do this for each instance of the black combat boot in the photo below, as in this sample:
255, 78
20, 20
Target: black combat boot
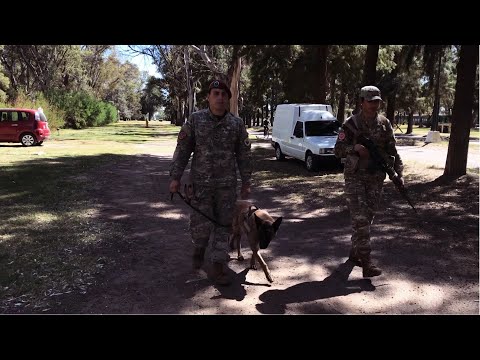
369, 270
219, 276
198, 255
354, 257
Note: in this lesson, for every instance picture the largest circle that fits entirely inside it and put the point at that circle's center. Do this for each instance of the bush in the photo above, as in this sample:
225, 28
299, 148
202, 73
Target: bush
55, 115
83, 110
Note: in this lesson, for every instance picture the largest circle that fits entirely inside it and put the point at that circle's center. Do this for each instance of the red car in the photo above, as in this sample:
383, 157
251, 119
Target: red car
26, 126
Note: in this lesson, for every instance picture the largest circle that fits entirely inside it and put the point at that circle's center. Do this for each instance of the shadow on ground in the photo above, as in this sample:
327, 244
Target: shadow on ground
337, 284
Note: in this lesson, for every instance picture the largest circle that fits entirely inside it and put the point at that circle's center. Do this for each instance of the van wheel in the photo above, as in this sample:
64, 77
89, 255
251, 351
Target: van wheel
311, 162
278, 153
28, 139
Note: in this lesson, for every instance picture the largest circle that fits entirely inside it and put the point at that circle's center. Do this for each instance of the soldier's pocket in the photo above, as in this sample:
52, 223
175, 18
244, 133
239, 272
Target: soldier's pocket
351, 164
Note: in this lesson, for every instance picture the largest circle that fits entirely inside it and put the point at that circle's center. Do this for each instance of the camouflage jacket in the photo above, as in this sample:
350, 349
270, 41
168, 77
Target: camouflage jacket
217, 146
379, 130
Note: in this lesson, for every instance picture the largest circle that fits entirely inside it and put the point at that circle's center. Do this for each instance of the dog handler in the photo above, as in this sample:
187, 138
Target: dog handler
219, 142
363, 179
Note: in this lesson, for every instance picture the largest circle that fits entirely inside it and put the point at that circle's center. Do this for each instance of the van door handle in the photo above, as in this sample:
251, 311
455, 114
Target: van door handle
291, 137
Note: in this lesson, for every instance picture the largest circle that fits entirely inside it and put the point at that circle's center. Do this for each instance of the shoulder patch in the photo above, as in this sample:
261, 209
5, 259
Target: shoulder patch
247, 142
341, 135
182, 135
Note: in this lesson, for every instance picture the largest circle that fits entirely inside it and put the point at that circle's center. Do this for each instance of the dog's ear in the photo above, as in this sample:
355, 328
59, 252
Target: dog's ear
277, 223
258, 221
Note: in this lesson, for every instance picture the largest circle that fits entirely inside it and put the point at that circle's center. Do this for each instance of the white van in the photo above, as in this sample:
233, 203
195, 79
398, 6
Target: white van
307, 132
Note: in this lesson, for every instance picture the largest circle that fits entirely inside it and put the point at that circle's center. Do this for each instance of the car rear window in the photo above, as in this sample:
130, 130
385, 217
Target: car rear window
40, 116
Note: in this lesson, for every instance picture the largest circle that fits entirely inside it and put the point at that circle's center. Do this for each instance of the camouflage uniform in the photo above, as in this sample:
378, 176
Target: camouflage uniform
218, 145
363, 180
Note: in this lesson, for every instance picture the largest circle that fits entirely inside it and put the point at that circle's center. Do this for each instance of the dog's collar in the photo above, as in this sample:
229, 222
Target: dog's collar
252, 209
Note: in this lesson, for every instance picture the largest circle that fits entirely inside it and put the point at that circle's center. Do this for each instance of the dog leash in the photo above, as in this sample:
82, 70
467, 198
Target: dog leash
197, 210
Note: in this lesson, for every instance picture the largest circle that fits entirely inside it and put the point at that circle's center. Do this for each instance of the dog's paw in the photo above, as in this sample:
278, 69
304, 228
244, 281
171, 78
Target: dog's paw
269, 278
240, 258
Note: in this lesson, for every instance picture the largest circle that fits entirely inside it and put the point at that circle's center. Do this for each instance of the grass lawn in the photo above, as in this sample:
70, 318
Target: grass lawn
46, 226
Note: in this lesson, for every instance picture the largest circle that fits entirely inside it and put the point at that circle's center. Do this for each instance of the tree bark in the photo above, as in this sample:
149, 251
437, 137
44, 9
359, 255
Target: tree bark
391, 100
234, 85
322, 65
370, 67
190, 89
456, 164
341, 107
410, 122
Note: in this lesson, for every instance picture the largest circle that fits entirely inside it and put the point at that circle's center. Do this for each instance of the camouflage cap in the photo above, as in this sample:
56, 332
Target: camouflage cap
219, 84
370, 93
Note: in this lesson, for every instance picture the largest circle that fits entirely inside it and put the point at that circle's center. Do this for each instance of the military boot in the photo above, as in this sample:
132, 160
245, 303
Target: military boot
369, 270
354, 257
219, 276
198, 255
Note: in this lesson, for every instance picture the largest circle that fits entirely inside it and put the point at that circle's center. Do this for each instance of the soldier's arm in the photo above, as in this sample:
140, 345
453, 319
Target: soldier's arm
391, 149
344, 145
244, 155
185, 147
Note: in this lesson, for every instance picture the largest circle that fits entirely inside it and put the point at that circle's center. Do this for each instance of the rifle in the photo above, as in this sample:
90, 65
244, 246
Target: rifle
381, 163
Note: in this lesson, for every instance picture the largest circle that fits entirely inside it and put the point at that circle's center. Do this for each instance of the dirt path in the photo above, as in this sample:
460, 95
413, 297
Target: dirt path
150, 271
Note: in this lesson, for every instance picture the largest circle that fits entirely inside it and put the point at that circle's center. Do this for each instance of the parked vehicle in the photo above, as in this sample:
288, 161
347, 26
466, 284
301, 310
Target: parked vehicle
307, 132
26, 126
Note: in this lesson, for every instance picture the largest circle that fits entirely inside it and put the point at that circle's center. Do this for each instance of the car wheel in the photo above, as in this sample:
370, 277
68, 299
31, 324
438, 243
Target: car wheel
311, 162
278, 153
28, 139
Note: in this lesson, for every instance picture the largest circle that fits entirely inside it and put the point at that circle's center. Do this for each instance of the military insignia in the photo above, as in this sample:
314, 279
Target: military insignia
247, 142
341, 136
182, 135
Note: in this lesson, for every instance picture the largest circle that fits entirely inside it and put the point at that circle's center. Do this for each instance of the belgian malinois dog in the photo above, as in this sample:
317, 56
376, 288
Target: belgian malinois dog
258, 227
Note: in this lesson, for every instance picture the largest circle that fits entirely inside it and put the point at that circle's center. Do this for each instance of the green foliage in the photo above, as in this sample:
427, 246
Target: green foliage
83, 110
54, 114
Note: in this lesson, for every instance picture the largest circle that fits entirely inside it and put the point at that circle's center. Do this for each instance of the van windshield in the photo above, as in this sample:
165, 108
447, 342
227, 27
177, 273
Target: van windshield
322, 128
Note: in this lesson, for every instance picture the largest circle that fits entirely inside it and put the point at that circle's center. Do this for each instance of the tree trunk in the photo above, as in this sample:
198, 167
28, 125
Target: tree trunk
190, 88
436, 102
391, 100
410, 122
179, 119
322, 65
332, 91
341, 107
234, 86
370, 67
456, 164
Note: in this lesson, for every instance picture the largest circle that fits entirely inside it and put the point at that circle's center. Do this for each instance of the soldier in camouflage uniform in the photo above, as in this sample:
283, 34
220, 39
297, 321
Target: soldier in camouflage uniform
363, 179
219, 142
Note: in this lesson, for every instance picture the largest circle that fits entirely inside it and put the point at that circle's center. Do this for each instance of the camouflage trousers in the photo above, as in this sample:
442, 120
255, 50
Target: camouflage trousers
218, 203
363, 193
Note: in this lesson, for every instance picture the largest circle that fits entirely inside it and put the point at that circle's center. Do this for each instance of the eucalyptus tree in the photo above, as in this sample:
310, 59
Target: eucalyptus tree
370, 65
268, 67
345, 64
94, 63
467, 68
37, 67
152, 96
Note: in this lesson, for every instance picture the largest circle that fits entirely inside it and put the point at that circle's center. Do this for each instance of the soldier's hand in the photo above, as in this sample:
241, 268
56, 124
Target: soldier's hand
245, 191
401, 181
174, 186
362, 150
